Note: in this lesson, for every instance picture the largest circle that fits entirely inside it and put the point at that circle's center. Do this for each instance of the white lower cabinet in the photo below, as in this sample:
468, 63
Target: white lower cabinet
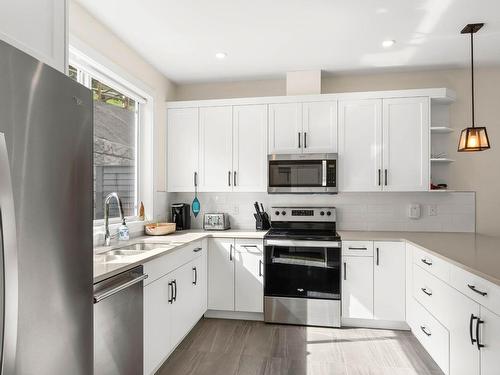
489, 336
157, 319
221, 274
235, 275
357, 287
249, 276
173, 303
389, 281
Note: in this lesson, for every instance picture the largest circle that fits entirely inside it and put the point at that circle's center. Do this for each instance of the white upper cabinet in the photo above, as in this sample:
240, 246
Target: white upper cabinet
406, 144
38, 28
389, 281
182, 149
360, 142
250, 148
216, 149
319, 127
285, 128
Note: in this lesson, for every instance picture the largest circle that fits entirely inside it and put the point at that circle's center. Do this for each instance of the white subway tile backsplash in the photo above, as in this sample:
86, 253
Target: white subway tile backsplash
356, 211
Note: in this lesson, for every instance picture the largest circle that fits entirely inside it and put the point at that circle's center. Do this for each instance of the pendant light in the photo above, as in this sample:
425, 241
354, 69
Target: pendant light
474, 138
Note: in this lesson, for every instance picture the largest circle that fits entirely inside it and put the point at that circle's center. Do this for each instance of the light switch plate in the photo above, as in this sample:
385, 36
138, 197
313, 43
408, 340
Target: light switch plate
433, 210
414, 211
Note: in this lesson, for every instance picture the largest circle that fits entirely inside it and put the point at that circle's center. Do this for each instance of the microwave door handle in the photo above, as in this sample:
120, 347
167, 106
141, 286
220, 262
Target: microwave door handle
323, 179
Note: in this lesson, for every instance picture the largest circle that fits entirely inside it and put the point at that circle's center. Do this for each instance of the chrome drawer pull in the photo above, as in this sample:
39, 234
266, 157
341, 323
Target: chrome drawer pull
424, 330
357, 248
197, 249
473, 288
426, 292
425, 261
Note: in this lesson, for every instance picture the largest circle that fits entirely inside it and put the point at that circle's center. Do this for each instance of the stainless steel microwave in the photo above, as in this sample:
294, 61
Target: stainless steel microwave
302, 173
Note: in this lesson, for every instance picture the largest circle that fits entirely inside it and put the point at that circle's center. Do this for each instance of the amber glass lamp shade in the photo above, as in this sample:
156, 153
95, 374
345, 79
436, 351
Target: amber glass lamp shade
473, 139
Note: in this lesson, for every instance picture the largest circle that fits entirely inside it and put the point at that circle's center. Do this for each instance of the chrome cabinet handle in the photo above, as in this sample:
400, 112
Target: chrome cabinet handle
345, 271
471, 323
424, 330
229, 178
99, 297
170, 292
425, 261
231, 253
195, 177
299, 139
379, 179
378, 257
385, 177
234, 178
174, 294
197, 249
195, 275
260, 267
473, 288
426, 291
357, 248
305, 140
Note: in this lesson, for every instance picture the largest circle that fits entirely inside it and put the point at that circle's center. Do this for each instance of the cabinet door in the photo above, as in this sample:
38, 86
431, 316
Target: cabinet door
319, 127
157, 318
216, 154
357, 287
199, 288
221, 274
389, 281
182, 148
183, 304
250, 148
249, 286
489, 337
285, 128
38, 28
406, 144
464, 356
360, 141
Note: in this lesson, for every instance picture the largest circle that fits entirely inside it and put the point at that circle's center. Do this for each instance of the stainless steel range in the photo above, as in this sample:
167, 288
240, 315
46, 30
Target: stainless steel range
302, 257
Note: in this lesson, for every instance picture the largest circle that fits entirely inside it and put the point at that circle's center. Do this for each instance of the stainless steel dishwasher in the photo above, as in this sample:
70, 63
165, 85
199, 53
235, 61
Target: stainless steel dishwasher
118, 324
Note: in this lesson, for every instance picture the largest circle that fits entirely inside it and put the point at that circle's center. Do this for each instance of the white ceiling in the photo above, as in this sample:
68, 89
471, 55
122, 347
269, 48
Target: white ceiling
266, 38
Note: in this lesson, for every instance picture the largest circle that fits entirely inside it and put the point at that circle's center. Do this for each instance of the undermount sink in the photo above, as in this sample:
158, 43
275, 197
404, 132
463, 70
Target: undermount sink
141, 247
123, 253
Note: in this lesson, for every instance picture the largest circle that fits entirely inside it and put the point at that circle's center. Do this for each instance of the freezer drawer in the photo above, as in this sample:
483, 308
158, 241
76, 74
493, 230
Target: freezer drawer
118, 324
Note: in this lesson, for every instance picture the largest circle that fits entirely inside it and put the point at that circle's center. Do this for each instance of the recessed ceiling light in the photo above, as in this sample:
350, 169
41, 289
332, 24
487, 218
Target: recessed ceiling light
388, 43
221, 55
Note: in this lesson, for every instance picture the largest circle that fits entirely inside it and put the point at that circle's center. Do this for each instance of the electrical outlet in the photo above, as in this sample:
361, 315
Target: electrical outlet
433, 210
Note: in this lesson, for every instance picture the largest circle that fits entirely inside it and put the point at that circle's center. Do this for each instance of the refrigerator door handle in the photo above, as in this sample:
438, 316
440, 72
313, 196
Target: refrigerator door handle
8, 272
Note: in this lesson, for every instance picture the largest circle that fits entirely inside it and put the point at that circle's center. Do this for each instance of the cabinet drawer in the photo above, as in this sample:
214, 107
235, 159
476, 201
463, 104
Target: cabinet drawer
432, 335
431, 263
431, 292
357, 248
172, 260
478, 289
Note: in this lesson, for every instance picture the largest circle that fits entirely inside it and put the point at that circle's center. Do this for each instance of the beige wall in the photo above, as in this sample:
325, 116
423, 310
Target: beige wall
478, 172
98, 37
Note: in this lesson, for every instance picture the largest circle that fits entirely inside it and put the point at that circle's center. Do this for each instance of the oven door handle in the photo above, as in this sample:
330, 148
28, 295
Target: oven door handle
302, 243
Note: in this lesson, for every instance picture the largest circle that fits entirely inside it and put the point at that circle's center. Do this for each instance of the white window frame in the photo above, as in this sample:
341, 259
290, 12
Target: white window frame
97, 66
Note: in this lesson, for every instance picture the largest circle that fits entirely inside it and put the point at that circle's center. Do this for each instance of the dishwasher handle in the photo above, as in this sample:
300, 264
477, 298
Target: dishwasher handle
109, 292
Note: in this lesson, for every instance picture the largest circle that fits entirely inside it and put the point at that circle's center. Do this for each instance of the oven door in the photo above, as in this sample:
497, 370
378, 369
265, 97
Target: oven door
312, 173
302, 269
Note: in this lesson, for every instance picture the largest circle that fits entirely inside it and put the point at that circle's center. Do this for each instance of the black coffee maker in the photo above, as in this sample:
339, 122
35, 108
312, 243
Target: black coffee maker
181, 216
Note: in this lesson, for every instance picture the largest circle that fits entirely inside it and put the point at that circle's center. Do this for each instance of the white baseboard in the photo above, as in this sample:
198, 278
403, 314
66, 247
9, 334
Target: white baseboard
239, 315
369, 323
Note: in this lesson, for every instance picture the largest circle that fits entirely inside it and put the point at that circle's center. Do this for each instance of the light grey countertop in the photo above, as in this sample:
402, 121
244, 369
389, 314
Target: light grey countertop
476, 253
167, 244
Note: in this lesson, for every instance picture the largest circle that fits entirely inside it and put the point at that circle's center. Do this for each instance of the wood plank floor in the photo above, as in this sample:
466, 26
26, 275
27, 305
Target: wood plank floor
230, 347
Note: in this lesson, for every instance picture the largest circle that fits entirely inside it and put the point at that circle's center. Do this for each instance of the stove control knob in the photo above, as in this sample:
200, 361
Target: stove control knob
283, 213
277, 213
322, 213
328, 213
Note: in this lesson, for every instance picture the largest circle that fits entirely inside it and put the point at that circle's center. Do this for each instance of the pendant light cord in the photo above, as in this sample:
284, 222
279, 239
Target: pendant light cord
472, 73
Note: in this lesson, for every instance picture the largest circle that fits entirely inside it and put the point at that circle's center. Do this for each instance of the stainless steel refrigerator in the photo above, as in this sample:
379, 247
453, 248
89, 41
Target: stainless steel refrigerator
46, 203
